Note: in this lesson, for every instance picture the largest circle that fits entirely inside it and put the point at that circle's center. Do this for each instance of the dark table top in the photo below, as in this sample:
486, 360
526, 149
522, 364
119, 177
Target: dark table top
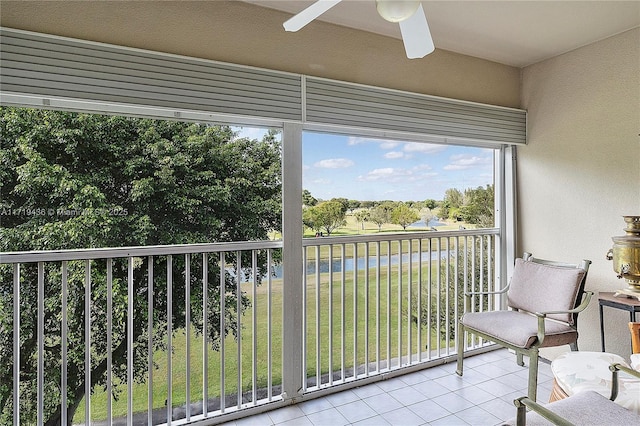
628, 303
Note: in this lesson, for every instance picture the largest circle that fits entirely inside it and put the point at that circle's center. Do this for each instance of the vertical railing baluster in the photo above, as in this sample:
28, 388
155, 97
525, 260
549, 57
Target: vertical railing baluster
438, 296
355, 310
223, 296
254, 312
87, 341
150, 341
399, 303
205, 335
305, 301
330, 355
169, 337
40, 367
419, 301
109, 338
318, 369
409, 288
187, 331
378, 306
465, 285
130, 340
343, 300
239, 328
269, 327
456, 290
64, 332
16, 343
388, 304
429, 297
447, 298
366, 309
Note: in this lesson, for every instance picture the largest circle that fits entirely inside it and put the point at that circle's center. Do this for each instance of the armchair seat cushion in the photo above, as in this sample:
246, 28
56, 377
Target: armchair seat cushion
585, 409
582, 371
522, 329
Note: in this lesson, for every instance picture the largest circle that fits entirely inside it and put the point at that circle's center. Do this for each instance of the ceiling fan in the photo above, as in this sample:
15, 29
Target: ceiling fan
408, 13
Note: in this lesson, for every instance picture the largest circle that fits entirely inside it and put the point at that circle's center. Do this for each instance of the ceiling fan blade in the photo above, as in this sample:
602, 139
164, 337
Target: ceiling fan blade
309, 14
416, 35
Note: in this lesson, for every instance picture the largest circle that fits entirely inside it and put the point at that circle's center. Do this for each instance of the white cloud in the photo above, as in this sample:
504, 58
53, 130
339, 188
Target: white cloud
392, 155
423, 148
388, 145
334, 163
378, 174
466, 161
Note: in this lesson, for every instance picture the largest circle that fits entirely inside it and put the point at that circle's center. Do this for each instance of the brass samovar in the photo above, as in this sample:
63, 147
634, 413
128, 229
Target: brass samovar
626, 257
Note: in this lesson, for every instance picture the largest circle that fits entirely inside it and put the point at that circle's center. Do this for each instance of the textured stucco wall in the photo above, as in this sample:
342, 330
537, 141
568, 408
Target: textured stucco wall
246, 34
580, 171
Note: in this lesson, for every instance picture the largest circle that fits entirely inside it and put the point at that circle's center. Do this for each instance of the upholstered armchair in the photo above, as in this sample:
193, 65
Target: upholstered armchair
544, 299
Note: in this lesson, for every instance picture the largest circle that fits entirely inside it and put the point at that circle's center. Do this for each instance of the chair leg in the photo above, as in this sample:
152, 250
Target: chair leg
519, 359
574, 346
459, 366
533, 373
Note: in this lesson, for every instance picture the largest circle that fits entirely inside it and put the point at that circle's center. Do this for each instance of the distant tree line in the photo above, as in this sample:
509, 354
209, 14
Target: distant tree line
473, 206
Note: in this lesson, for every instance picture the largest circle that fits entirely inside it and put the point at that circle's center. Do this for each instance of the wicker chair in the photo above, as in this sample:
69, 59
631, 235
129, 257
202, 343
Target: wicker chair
544, 298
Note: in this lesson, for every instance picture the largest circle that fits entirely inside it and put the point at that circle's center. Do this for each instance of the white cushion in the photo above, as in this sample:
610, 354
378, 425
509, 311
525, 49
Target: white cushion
583, 371
635, 362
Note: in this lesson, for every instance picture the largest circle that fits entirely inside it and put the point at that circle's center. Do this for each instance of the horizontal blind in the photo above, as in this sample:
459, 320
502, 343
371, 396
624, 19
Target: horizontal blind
335, 102
42, 65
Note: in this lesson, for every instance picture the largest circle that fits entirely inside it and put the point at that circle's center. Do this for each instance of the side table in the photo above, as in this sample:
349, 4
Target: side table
624, 303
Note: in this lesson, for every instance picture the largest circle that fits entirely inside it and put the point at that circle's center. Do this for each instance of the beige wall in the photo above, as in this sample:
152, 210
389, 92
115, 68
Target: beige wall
580, 171
246, 34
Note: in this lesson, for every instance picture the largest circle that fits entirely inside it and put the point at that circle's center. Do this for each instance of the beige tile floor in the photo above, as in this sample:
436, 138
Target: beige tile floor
434, 396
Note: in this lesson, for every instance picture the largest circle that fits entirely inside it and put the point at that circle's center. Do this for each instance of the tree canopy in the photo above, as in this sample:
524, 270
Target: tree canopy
70, 180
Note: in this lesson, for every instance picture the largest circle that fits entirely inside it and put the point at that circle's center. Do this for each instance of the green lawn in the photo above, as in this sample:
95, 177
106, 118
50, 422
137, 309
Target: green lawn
361, 349
395, 321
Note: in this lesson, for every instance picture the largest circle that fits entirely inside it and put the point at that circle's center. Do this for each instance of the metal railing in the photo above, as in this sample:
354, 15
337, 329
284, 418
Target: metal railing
188, 333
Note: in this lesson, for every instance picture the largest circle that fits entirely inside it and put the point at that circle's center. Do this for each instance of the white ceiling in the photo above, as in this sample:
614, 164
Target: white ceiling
517, 33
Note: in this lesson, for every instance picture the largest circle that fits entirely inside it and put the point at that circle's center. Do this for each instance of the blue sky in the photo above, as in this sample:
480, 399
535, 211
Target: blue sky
369, 169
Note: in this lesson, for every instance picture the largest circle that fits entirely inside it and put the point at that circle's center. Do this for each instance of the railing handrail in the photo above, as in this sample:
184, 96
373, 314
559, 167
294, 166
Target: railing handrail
163, 250
139, 251
395, 236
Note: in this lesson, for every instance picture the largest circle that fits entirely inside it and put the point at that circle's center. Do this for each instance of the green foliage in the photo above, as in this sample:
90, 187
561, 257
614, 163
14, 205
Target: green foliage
449, 207
467, 273
326, 216
308, 199
72, 180
381, 213
404, 215
478, 206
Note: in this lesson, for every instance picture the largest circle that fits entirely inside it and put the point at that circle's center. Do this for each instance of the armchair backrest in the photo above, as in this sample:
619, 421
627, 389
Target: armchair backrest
541, 286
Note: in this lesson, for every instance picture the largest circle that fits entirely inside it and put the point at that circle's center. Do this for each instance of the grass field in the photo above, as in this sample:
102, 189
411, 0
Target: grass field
338, 328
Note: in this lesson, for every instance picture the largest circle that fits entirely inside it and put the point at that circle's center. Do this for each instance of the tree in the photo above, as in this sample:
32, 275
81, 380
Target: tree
109, 181
353, 204
311, 219
426, 215
404, 216
344, 203
381, 214
327, 216
362, 216
443, 306
308, 199
478, 206
452, 202
430, 204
